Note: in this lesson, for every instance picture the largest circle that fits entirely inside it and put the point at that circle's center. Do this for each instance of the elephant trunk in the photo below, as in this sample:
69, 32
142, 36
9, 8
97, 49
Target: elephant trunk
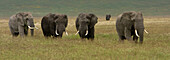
139, 29
31, 25
83, 32
32, 32
59, 30
140, 32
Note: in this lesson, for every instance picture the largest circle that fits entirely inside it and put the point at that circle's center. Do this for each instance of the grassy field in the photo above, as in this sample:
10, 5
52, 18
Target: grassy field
40, 8
105, 46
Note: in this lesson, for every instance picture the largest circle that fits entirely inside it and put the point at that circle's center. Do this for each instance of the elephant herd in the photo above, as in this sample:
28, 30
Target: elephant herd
129, 25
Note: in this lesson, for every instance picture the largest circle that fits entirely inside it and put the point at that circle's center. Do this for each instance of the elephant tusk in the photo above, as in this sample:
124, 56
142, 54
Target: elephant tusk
86, 32
30, 27
36, 28
146, 32
66, 33
136, 33
56, 32
77, 32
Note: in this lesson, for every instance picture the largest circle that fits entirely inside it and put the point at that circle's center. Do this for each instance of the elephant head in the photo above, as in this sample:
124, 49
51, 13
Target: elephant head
134, 21
60, 22
25, 19
85, 22
108, 17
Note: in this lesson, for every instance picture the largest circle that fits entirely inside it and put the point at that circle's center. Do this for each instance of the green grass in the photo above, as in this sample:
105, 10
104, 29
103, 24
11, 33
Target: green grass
105, 46
40, 8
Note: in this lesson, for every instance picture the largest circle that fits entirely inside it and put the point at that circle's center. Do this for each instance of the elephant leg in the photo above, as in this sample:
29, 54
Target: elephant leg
122, 37
90, 34
135, 38
21, 31
121, 33
26, 31
128, 34
15, 34
46, 33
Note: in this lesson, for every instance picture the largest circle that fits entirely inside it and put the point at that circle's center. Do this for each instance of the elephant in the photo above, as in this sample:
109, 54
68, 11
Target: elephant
130, 24
85, 25
54, 25
20, 22
108, 17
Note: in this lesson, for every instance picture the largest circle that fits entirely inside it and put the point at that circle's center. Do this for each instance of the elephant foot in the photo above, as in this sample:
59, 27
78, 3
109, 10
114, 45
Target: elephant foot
131, 41
92, 39
83, 39
136, 41
46, 37
141, 42
22, 36
121, 41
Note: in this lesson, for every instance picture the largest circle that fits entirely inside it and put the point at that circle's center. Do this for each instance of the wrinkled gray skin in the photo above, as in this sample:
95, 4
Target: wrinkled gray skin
84, 23
108, 17
52, 23
19, 23
126, 24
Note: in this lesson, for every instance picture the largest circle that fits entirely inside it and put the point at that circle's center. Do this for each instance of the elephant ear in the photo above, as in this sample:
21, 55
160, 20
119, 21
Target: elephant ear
52, 17
133, 15
93, 20
125, 16
65, 16
20, 19
66, 23
26, 14
140, 15
55, 17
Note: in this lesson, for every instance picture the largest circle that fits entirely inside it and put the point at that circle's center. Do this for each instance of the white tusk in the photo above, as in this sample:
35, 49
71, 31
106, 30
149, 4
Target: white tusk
77, 32
136, 33
56, 32
146, 31
86, 32
66, 33
36, 27
30, 27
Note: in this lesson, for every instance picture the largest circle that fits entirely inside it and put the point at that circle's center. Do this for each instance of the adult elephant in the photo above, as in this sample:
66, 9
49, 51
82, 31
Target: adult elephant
108, 17
20, 22
85, 25
130, 24
54, 25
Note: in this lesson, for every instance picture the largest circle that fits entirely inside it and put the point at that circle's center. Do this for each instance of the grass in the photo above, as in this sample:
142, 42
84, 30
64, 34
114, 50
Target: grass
105, 46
